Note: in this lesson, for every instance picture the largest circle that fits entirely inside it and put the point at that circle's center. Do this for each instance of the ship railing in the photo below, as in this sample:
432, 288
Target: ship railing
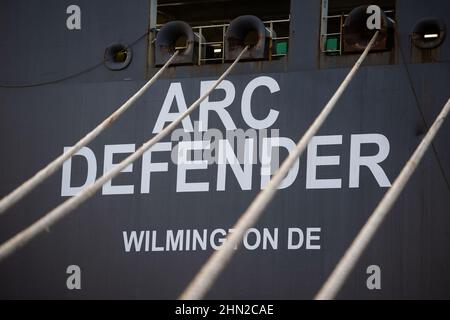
215, 54
331, 42
217, 46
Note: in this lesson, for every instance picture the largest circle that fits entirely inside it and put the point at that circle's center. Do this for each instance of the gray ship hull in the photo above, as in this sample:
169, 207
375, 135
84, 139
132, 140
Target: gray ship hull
411, 248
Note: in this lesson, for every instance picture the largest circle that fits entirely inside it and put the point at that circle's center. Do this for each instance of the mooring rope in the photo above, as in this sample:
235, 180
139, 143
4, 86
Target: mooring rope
206, 277
67, 206
340, 273
53, 166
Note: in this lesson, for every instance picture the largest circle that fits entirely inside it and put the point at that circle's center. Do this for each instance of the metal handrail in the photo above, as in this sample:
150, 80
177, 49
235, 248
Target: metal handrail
339, 35
221, 44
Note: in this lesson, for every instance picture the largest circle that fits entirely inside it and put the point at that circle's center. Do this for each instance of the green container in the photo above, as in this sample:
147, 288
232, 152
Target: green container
281, 47
332, 44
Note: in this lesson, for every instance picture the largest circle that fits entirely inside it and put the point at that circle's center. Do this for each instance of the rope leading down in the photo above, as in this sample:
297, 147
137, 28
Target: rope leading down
53, 166
67, 206
217, 262
354, 252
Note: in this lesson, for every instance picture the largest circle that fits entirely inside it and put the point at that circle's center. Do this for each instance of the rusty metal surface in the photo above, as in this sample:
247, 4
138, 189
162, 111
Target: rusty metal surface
247, 30
166, 41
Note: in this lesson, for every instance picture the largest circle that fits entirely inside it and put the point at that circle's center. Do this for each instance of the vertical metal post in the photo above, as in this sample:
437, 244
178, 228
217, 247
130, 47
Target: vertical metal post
151, 35
200, 36
271, 40
223, 43
323, 24
341, 23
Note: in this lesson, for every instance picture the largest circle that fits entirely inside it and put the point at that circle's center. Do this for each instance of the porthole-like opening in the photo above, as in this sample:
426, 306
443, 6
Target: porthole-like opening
117, 56
343, 28
251, 38
428, 33
249, 31
247, 34
181, 43
173, 36
356, 35
120, 56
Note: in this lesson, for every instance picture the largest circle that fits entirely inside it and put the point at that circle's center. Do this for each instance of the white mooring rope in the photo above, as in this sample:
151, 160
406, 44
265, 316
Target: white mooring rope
53, 166
359, 244
67, 206
217, 262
